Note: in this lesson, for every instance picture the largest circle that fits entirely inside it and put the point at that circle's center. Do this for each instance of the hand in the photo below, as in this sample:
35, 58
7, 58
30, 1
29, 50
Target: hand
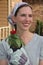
23, 59
20, 57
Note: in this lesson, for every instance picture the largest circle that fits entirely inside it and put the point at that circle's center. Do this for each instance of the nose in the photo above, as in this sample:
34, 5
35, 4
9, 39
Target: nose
27, 18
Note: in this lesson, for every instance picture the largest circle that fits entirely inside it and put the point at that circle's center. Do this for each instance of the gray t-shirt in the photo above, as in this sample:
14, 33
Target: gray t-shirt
34, 50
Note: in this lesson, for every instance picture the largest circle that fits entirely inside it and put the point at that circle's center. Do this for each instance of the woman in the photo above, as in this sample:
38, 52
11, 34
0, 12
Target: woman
22, 16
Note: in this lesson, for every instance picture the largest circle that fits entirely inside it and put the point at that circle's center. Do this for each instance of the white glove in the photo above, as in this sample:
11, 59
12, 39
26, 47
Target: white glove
20, 57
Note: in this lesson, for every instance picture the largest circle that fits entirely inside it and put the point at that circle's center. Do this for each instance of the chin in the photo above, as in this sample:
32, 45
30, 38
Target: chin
25, 29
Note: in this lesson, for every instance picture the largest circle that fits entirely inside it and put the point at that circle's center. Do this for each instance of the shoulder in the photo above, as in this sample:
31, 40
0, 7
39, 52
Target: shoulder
40, 38
4, 45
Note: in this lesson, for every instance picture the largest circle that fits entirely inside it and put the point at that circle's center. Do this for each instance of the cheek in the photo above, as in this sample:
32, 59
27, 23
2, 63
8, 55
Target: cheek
21, 18
31, 19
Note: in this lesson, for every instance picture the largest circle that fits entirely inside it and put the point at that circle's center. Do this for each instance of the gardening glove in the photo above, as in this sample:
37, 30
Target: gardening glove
19, 57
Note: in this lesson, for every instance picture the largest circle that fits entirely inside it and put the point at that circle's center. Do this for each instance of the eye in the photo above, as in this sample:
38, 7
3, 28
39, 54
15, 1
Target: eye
30, 15
23, 15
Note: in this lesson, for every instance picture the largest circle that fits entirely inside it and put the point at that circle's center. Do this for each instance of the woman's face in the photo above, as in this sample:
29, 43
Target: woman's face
24, 18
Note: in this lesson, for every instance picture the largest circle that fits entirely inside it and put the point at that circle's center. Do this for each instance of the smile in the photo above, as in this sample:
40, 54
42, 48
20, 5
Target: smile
26, 24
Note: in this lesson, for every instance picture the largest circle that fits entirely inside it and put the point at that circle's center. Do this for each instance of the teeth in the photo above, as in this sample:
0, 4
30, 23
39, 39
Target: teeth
25, 23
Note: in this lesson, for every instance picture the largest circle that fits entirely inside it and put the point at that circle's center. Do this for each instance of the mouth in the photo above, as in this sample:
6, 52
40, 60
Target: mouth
26, 24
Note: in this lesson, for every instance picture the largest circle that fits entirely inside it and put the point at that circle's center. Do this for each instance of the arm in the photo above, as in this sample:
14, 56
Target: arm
3, 59
3, 62
41, 62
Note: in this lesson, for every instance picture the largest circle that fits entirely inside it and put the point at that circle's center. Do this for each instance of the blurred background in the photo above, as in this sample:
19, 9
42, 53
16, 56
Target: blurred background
5, 9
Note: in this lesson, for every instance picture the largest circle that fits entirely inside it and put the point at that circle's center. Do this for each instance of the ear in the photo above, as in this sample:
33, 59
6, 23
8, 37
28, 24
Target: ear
13, 19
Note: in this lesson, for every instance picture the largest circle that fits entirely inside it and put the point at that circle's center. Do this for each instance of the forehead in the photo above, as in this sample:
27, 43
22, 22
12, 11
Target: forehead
26, 9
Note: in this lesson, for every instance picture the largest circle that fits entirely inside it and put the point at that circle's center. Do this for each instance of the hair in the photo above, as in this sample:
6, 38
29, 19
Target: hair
25, 5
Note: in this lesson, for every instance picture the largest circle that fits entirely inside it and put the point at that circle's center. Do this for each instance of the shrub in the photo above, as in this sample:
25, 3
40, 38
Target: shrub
39, 27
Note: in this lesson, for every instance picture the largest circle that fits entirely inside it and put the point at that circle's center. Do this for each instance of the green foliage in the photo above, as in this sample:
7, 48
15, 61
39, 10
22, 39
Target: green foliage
14, 41
39, 28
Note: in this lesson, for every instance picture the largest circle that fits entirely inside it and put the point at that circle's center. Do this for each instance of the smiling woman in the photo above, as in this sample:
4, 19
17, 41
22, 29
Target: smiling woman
31, 51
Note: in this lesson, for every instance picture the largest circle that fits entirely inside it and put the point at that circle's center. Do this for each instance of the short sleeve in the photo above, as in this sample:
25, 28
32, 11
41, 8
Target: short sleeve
41, 49
2, 51
5, 50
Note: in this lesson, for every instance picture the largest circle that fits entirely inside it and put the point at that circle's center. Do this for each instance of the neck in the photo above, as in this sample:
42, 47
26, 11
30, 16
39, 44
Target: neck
26, 36
23, 33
